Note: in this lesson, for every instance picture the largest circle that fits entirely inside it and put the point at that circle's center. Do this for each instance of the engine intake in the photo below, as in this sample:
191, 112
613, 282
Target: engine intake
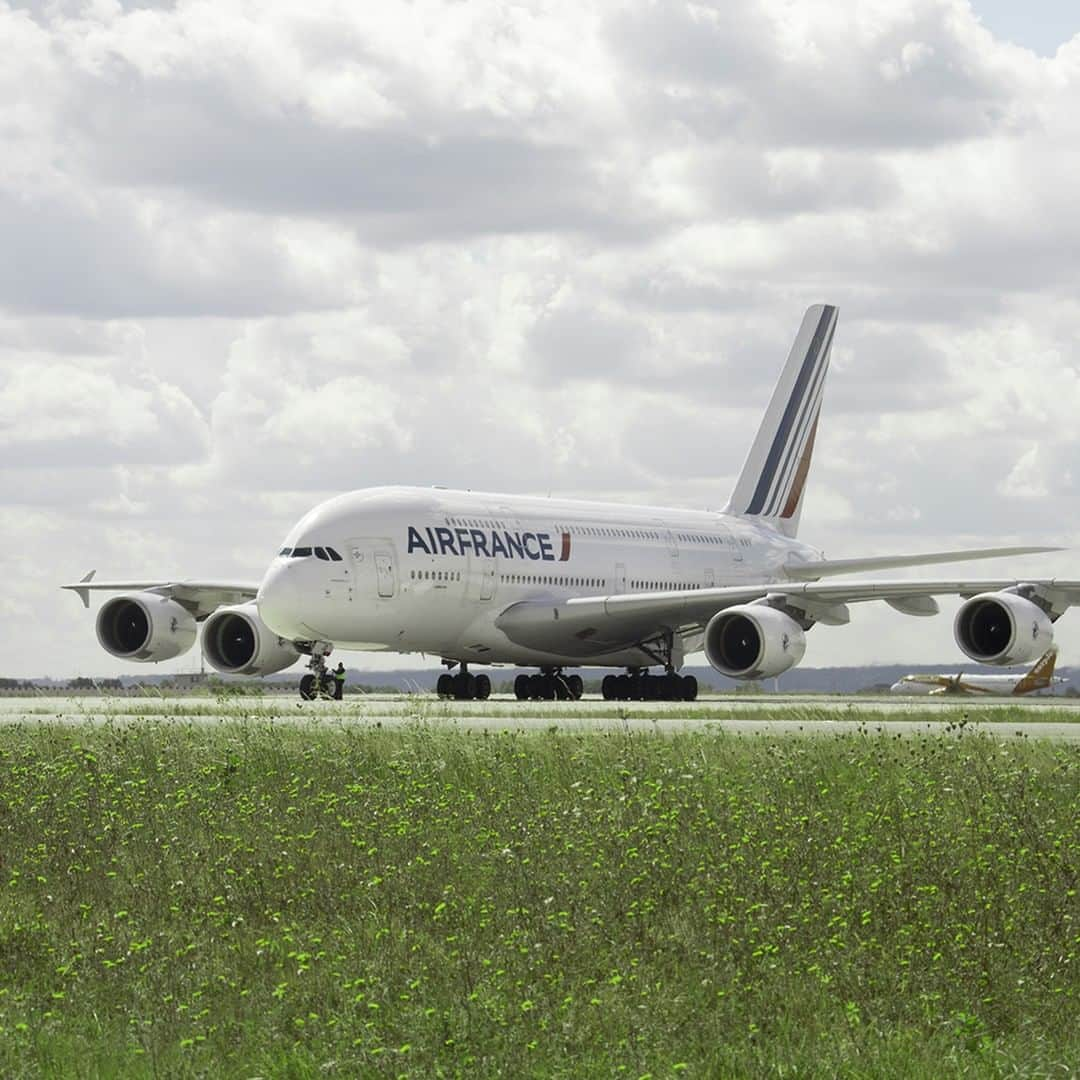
145, 627
1002, 628
237, 642
753, 642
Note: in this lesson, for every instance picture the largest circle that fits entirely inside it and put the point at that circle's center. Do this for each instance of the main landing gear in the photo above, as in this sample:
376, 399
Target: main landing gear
638, 685
464, 686
550, 685
318, 683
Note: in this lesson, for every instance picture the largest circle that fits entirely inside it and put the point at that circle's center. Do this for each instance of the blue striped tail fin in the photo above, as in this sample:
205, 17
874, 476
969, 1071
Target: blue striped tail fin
773, 479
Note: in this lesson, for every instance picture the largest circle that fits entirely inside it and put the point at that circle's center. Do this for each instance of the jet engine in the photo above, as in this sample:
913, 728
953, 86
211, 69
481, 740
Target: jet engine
237, 642
145, 627
1002, 628
753, 642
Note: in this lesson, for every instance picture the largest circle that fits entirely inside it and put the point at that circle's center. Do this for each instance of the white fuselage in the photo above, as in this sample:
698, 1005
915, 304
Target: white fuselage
429, 570
1003, 685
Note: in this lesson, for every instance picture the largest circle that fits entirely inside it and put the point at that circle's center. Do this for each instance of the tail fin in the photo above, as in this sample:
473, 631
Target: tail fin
772, 480
1041, 674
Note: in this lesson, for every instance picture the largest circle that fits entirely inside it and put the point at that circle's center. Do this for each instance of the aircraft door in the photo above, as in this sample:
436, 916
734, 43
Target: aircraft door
384, 574
481, 578
620, 578
731, 556
487, 579
374, 568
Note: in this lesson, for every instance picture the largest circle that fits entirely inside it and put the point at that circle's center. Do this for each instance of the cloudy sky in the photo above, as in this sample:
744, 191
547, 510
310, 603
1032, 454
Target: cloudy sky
254, 254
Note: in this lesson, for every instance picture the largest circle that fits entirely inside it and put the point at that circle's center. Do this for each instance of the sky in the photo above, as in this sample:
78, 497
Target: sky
255, 254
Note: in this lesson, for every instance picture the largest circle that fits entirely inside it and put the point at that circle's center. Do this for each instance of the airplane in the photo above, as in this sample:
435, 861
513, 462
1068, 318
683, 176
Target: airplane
1040, 676
554, 584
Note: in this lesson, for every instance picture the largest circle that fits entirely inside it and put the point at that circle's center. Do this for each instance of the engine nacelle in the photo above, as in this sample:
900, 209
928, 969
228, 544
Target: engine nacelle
753, 642
1002, 628
236, 641
145, 627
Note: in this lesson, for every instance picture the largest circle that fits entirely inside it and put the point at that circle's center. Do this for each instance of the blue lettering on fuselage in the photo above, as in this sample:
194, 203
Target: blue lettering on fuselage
446, 541
485, 543
416, 542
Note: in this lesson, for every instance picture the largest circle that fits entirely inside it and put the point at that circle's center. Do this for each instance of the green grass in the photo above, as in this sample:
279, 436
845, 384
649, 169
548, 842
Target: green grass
245, 899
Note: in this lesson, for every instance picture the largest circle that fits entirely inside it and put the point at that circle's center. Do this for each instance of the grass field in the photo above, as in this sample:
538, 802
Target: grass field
249, 899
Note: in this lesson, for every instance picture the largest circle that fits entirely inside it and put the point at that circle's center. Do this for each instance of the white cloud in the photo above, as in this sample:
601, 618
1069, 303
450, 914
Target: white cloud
255, 255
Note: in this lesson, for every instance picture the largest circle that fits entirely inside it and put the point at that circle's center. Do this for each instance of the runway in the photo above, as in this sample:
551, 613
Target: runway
1047, 718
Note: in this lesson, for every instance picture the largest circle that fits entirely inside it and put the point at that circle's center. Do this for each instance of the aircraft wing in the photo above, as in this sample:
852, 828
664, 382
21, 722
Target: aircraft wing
201, 598
593, 626
819, 568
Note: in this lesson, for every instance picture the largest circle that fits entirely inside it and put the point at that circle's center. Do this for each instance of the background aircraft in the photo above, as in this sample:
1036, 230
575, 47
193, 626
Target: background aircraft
483, 578
1040, 676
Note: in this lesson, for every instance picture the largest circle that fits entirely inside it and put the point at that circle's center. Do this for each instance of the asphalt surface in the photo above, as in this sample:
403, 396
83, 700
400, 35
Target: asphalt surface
1052, 719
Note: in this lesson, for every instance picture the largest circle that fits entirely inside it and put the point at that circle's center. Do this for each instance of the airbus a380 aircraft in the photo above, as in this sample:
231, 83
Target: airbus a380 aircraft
555, 584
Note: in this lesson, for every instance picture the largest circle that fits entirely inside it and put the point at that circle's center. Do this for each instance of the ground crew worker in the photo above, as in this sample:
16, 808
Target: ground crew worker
339, 681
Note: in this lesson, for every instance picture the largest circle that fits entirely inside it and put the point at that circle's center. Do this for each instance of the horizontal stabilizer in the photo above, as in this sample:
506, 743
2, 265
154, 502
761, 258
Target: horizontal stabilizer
812, 571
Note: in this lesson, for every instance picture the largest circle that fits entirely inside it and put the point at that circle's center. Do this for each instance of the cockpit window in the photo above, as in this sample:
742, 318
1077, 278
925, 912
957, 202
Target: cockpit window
286, 552
301, 553
320, 553
333, 554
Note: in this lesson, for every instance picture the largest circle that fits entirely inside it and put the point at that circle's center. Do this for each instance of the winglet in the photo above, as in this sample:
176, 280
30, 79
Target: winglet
84, 594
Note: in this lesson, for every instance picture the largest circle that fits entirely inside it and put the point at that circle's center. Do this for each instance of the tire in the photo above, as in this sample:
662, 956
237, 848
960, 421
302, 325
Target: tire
671, 687
576, 685
465, 687
445, 686
483, 688
536, 687
548, 691
562, 687
622, 688
521, 688
307, 688
607, 688
689, 688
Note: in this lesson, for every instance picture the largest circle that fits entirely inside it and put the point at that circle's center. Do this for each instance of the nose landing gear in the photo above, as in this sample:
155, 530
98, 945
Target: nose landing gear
318, 683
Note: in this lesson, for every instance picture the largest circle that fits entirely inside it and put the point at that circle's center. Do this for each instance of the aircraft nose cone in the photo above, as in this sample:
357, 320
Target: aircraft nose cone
278, 601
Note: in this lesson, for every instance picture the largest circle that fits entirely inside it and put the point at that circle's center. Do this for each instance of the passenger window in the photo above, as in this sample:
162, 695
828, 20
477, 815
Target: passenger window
320, 553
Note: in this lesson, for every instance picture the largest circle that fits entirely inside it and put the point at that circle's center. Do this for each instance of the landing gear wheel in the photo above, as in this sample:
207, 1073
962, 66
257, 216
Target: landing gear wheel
536, 687
576, 686
672, 687
689, 688
483, 688
608, 689
465, 686
308, 689
622, 687
522, 688
445, 686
